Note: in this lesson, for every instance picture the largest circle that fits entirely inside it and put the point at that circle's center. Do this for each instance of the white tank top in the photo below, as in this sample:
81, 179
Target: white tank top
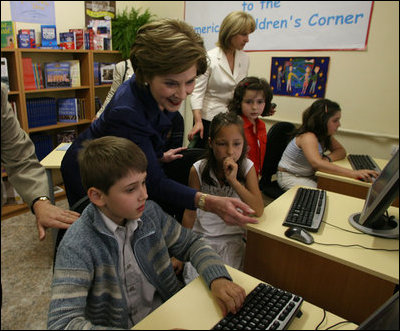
210, 224
294, 160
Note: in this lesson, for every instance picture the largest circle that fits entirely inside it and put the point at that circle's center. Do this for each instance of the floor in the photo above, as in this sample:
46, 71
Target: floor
26, 272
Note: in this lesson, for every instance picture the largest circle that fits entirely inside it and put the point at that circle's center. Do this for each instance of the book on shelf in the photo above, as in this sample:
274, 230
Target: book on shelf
41, 111
36, 75
49, 36
67, 40
67, 109
8, 38
79, 38
37, 71
96, 73
29, 77
88, 38
43, 144
81, 108
66, 136
4, 72
97, 104
26, 38
40, 72
106, 73
75, 72
57, 74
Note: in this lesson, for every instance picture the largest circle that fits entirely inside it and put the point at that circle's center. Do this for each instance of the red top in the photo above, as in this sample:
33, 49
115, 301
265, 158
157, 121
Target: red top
257, 142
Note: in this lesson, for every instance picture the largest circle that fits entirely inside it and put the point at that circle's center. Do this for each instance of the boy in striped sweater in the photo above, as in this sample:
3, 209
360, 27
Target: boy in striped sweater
113, 265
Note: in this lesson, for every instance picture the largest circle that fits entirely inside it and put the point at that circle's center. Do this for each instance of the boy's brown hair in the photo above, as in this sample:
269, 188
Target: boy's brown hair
105, 160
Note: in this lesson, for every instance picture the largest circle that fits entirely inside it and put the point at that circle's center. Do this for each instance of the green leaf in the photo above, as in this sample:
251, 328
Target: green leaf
124, 28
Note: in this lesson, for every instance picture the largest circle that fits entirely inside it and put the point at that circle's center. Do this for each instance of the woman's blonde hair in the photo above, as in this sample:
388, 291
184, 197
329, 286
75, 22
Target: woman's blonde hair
235, 23
167, 46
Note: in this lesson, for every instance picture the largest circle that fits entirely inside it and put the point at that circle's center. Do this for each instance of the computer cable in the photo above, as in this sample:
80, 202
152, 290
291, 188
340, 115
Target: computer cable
332, 326
353, 245
338, 227
357, 245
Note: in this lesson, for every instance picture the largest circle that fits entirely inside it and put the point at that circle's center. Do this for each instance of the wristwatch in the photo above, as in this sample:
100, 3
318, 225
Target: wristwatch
202, 201
42, 198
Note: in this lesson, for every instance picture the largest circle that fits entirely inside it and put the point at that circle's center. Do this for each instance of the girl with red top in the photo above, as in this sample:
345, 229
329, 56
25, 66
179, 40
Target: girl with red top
251, 99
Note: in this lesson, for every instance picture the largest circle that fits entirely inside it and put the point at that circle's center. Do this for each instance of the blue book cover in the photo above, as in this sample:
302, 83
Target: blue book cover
57, 74
41, 112
67, 110
67, 40
49, 35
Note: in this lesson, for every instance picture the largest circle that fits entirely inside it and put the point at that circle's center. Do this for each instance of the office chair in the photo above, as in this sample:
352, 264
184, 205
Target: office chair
278, 137
179, 169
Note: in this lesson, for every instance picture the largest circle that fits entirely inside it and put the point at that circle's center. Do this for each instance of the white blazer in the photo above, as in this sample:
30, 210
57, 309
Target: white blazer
214, 89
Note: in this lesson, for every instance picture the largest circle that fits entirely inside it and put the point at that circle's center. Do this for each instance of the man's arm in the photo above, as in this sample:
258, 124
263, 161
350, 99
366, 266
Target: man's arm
25, 172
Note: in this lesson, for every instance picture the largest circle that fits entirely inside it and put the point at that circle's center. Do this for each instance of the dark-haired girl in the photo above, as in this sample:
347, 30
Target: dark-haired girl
314, 149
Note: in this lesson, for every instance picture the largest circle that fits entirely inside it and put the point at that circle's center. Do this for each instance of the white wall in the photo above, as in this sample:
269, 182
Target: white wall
364, 83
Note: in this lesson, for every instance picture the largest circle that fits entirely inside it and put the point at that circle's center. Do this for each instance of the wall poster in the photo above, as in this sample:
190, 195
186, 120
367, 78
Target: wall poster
299, 76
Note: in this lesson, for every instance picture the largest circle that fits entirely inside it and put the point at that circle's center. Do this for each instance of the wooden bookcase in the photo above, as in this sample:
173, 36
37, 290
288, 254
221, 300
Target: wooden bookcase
88, 90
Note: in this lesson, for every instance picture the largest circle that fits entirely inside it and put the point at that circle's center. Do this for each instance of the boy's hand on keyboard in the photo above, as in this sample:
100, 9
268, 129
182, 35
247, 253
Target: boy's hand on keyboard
230, 296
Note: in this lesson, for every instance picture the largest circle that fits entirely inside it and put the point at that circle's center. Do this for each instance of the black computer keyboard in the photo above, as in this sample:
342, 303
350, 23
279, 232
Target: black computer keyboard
265, 308
307, 209
362, 161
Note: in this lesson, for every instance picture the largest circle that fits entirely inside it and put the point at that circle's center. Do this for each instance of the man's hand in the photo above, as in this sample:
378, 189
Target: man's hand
230, 296
50, 216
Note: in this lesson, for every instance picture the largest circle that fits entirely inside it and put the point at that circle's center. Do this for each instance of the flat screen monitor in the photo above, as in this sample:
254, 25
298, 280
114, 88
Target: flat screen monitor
386, 317
373, 219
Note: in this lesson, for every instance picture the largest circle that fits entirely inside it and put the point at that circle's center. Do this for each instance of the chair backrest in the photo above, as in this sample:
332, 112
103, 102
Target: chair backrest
179, 169
278, 137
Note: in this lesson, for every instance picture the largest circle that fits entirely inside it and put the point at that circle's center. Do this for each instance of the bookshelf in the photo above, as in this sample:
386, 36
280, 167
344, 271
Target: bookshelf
87, 90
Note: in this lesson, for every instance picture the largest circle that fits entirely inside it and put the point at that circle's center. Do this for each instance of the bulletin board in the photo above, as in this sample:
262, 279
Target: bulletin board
289, 25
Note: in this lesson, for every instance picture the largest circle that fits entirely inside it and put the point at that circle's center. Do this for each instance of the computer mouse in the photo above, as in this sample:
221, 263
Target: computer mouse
299, 234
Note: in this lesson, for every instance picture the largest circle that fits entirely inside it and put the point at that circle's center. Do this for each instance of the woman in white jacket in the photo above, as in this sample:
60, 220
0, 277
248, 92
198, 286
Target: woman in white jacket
229, 64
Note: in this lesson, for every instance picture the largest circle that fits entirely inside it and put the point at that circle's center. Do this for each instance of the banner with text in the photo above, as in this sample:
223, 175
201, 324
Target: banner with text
288, 25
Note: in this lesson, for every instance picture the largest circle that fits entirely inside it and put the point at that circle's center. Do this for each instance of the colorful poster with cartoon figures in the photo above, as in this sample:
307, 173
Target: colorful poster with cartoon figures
299, 76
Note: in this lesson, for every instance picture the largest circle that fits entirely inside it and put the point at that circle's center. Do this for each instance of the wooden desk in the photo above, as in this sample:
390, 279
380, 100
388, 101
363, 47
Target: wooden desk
193, 308
345, 185
348, 281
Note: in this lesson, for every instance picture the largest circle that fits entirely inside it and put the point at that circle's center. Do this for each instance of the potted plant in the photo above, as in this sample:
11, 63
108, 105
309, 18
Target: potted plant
124, 28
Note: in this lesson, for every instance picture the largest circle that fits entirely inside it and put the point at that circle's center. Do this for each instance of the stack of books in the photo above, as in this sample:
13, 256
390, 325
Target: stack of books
41, 111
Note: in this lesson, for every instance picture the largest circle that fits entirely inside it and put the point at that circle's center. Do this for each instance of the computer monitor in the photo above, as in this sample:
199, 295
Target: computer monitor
373, 219
386, 317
